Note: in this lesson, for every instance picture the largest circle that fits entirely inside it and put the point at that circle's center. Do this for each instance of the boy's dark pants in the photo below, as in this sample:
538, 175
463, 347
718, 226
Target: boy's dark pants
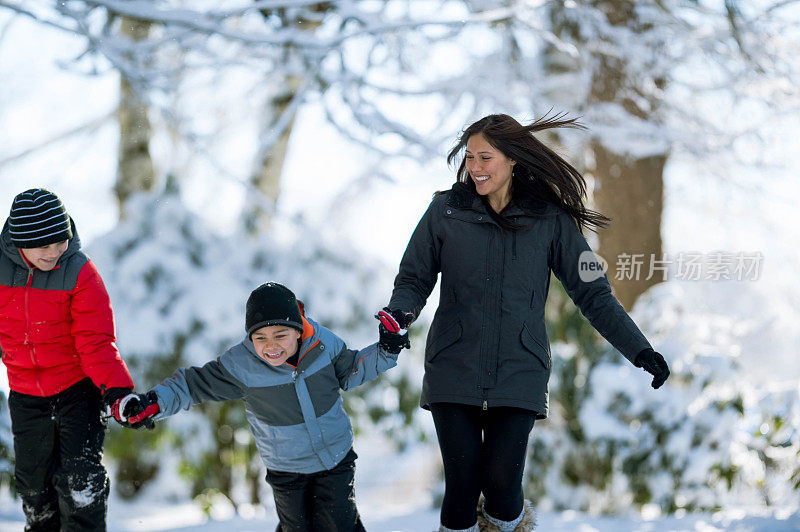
58, 444
317, 501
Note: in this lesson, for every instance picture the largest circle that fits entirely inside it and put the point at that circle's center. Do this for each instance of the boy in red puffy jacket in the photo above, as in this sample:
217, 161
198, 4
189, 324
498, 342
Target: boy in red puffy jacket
57, 339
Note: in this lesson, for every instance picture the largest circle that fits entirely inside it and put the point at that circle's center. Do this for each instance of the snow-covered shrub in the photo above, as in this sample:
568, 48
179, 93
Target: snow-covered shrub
717, 434
179, 294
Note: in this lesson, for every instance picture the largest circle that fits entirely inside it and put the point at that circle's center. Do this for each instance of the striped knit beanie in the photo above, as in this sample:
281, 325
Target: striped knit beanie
38, 219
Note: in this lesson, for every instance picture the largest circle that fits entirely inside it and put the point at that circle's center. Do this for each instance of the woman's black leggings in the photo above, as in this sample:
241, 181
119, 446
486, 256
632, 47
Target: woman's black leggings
482, 451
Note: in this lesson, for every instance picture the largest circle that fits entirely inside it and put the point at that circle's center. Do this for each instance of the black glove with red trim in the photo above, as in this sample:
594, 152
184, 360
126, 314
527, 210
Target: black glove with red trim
136, 410
112, 395
654, 364
392, 330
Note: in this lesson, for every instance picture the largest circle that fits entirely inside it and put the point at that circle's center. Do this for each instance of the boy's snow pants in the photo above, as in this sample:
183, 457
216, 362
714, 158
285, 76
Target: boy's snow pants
58, 444
317, 501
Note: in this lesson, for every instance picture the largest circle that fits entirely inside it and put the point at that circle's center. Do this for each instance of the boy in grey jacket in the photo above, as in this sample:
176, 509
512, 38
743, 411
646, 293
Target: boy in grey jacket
288, 371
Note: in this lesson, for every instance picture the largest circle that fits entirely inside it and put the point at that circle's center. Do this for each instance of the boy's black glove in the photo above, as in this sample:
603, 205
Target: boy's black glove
393, 336
136, 410
654, 364
112, 395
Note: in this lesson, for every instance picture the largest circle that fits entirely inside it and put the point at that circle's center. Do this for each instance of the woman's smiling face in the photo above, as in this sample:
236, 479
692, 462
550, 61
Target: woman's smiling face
489, 169
275, 343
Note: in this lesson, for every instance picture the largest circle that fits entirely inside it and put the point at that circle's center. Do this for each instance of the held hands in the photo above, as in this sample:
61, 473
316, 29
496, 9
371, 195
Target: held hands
136, 410
112, 395
392, 329
654, 364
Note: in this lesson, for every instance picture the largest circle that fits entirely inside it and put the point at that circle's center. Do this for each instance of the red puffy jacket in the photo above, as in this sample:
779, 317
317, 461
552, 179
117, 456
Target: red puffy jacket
56, 327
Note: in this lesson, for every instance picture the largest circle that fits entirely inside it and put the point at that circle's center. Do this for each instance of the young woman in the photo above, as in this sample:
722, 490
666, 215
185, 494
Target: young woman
515, 214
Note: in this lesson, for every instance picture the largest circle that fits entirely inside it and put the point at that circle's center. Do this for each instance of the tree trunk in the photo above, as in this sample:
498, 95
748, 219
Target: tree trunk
135, 168
270, 159
631, 191
628, 189
266, 177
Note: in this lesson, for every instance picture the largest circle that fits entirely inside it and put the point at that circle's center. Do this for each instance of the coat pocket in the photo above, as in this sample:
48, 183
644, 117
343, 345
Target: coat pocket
443, 338
535, 346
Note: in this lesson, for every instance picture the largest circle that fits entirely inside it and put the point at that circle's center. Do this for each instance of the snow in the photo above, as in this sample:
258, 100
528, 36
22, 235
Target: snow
731, 345
720, 434
625, 134
723, 412
393, 495
84, 497
386, 517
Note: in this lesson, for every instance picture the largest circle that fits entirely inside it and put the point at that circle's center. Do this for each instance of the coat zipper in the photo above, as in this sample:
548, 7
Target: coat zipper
31, 347
514, 245
27, 310
486, 295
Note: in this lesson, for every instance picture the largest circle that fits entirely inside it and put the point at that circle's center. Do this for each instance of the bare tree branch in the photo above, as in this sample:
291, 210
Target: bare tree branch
88, 127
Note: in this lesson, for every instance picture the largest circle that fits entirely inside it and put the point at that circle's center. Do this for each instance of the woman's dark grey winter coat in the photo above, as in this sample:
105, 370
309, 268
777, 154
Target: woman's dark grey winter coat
487, 345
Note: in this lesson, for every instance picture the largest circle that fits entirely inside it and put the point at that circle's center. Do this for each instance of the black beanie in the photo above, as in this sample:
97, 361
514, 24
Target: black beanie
272, 304
38, 219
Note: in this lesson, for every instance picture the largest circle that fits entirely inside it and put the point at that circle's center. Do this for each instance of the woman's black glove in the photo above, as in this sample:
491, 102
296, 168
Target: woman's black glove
402, 319
654, 364
393, 336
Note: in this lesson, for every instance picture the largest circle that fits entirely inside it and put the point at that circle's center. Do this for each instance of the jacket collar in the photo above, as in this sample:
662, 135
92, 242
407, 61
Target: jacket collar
461, 196
308, 341
308, 329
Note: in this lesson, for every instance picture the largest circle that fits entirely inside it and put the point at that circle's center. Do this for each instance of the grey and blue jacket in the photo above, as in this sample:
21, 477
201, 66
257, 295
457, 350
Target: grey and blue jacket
295, 413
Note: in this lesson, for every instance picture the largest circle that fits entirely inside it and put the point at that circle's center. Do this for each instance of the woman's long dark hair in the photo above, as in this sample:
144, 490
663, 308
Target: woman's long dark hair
539, 173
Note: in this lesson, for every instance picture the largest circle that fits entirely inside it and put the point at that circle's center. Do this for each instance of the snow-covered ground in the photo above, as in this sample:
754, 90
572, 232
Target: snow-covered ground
756, 320
386, 517
394, 494
186, 518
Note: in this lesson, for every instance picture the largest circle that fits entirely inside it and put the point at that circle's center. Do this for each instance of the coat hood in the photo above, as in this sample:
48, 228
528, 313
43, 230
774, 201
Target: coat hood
463, 196
12, 252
